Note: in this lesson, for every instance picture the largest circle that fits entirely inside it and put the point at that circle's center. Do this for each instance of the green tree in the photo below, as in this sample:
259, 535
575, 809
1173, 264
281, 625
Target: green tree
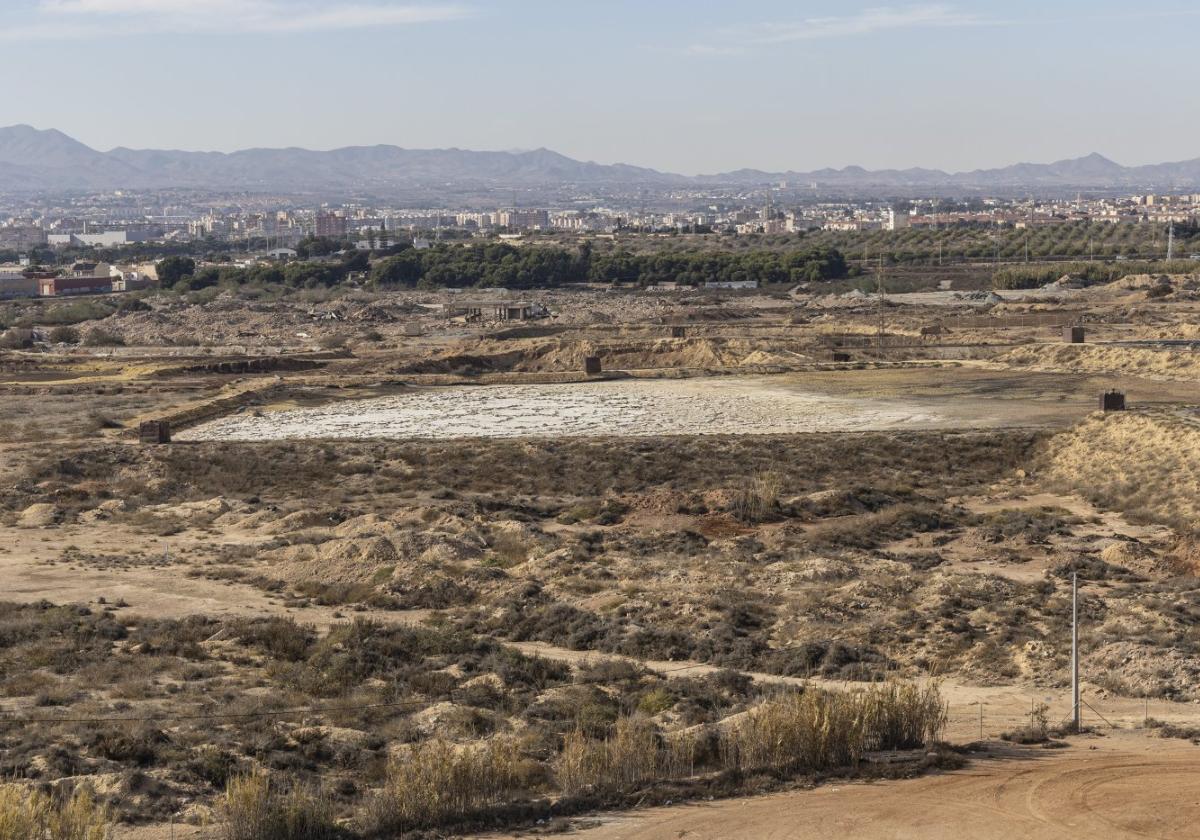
173, 269
404, 269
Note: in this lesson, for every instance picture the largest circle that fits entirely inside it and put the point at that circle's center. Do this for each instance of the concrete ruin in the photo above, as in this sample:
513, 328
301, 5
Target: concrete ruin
153, 432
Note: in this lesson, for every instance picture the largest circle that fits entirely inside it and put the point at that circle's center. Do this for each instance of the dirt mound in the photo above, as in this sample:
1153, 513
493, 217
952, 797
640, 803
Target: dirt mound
542, 356
334, 561
1145, 463
811, 569
1149, 281
1147, 362
1134, 556
661, 500
765, 357
1143, 670
659, 353
375, 549
40, 515
103, 511
301, 520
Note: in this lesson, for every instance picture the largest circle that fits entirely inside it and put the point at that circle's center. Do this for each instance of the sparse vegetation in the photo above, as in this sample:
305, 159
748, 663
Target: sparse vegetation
369, 668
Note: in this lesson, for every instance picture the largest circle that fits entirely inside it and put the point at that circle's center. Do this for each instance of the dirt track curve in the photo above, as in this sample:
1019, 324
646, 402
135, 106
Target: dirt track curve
1126, 785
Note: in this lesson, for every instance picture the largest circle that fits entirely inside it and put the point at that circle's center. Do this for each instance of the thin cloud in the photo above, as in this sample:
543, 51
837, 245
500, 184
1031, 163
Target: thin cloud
74, 19
866, 22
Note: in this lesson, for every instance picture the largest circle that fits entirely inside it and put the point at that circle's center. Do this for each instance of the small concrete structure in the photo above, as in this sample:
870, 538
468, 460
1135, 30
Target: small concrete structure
413, 329
591, 365
841, 357
1112, 401
154, 432
1073, 335
678, 332
478, 310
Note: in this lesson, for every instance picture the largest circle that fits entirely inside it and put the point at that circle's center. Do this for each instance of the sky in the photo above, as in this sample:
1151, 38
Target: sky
690, 87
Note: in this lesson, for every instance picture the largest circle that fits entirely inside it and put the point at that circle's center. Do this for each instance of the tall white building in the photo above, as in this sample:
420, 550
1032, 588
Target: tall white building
896, 220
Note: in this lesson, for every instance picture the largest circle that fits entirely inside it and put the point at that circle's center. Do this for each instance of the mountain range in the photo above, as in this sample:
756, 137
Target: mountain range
33, 160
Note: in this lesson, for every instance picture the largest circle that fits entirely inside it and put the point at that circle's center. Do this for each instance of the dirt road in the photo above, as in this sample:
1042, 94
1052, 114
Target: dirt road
1122, 786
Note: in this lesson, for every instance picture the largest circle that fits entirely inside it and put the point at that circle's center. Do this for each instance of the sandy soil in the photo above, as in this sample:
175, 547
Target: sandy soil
155, 585
1122, 786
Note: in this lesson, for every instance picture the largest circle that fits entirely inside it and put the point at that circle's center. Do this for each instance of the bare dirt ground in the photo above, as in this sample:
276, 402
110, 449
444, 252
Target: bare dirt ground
1119, 786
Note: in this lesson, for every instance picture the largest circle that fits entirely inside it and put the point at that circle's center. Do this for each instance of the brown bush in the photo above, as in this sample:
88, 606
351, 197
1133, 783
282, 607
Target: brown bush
439, 784
254, 809
27, 814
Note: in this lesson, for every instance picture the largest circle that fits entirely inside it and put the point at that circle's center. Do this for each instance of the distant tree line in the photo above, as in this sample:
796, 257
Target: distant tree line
182, 273
503, 265
1088, 273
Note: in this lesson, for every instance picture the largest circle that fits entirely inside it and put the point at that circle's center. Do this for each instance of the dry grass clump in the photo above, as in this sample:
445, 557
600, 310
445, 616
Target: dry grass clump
255, 809
439, 784
902, 715
632, 755
804, 731
758, 499
26, 814
822, 730
814, 730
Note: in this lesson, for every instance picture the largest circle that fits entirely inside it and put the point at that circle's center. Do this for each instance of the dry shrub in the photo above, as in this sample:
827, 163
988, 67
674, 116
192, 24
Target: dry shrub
26, 814
510, 549
254, 809
439, 784
758, 499
804, 732
813, 730
902, 715
823, 730
632, 755
1183, 559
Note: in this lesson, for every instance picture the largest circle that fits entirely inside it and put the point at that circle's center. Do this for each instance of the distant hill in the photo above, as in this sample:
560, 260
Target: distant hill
33, 159
52, 160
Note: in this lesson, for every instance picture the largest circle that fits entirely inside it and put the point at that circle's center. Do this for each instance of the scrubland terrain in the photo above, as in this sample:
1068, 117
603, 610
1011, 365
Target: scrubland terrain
305, 636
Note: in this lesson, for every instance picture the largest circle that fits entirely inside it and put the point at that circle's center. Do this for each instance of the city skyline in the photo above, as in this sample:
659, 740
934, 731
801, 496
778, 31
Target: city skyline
790, 87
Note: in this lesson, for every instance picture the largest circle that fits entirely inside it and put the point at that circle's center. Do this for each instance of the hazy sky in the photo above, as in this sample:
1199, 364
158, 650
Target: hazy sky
687, 86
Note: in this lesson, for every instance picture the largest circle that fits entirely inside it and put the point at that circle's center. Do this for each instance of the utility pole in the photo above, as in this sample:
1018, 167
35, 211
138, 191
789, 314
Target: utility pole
1075, 651
879, 290
1171, 240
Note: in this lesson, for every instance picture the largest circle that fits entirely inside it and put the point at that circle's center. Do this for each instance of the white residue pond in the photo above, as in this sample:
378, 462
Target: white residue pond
729, 405
629, 407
